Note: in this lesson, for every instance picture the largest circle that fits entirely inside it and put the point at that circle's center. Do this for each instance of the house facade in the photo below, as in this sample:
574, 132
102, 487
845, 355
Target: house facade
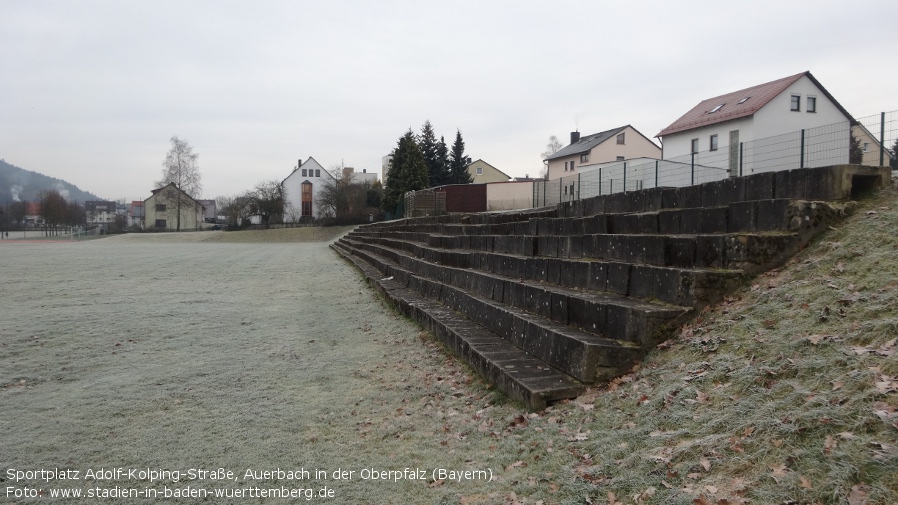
753, 116
617, 144
161, 210
302, 191
99, 213
482, 172
136, 217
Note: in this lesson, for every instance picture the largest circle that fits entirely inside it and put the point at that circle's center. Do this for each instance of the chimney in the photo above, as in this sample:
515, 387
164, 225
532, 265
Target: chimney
364, 170
575, 137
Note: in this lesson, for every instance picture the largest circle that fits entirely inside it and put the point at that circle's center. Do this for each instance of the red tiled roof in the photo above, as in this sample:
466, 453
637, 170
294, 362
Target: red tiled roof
758, 96
34, 209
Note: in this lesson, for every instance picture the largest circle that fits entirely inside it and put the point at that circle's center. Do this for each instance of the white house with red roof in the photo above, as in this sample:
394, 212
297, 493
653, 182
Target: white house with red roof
752, 116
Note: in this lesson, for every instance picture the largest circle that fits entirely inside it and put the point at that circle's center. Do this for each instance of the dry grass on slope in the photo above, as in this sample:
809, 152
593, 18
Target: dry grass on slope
785, 393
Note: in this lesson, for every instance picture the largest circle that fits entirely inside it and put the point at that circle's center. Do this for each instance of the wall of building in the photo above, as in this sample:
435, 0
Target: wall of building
509, 195
635, 146
464, 197
293, 189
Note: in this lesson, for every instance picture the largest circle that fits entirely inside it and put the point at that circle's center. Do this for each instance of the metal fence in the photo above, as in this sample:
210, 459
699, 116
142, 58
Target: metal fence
808, 148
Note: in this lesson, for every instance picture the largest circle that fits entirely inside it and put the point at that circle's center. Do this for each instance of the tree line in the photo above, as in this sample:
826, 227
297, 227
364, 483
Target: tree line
420, 162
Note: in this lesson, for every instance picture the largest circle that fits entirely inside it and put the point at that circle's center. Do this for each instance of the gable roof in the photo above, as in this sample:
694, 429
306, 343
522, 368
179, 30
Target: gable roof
311, 162
157, 190
585, 144
487, 164
752, 100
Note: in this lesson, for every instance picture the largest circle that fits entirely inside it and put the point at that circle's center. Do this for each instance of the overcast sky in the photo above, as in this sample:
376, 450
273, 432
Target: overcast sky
92, 91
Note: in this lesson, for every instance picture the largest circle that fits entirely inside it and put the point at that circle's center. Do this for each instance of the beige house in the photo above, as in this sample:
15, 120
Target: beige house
871, 147
482, 172
617, 144
161, 210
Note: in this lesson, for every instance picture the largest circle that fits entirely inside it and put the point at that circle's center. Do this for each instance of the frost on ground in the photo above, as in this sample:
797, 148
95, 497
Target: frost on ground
164, 351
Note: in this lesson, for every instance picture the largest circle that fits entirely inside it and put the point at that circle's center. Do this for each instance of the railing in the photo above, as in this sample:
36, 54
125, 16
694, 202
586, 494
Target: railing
808, 148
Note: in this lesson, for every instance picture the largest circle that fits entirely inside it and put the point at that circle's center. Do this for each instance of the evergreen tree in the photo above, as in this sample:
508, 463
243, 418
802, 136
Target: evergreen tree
894, 160
855, 153
443, 158
407, 172
458, 162
430, 149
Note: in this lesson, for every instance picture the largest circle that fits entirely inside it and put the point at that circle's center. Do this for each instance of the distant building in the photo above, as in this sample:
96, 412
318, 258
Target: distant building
210, 213
302, 191
136, 215
161, 210
99, 213
359, 177
618, 144
482, 172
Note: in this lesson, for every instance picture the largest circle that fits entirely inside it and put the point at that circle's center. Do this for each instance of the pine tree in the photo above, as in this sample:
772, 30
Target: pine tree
443, 158
458, 162
430, 149
407, 172
894, 160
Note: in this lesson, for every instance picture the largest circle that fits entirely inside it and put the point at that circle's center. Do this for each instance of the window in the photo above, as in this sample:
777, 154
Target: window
160, 208
305, 172
479, 170
713, 143
306, 198
160, 223
694, 146
866, 146
170, 193
620, 158
811, 104
572, 165
584, 158
317, 172
796, 103
743, 100
620, 138
565, 190
717, 108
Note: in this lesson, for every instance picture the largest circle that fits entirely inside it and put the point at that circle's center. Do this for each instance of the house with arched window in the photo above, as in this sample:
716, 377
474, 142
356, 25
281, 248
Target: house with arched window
302, 189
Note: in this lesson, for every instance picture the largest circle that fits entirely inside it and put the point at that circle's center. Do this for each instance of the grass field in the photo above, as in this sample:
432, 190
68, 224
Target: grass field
256, 351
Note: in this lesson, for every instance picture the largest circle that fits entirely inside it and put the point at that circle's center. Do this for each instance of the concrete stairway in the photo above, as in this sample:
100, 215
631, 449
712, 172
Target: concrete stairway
545, 301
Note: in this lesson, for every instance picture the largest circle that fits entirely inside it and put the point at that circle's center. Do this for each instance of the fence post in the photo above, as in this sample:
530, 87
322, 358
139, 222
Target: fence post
692, 164
560, 184
600, 181
801, 158
625, 176
578, 185
656, 173
741, 144
882, 134
545, 188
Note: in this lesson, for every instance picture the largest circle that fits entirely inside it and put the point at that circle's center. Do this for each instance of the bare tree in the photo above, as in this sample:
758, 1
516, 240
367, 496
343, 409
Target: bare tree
180, 168
269, 201
552, 147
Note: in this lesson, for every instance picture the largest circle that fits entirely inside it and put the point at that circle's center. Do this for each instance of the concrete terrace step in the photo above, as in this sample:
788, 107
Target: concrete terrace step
692, 287
584, 355
541, 301
749, 252
516, 373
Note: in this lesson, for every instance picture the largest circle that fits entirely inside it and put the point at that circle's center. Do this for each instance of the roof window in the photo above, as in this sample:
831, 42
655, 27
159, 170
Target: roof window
743, 100
715, 109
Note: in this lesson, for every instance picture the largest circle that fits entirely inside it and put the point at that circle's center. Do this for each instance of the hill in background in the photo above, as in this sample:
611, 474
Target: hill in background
20, 184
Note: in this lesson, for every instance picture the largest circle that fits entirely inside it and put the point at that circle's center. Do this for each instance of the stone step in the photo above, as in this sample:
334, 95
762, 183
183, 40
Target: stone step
740, 217
747, 252
584, 355
693, 287
609, 314
513, 371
